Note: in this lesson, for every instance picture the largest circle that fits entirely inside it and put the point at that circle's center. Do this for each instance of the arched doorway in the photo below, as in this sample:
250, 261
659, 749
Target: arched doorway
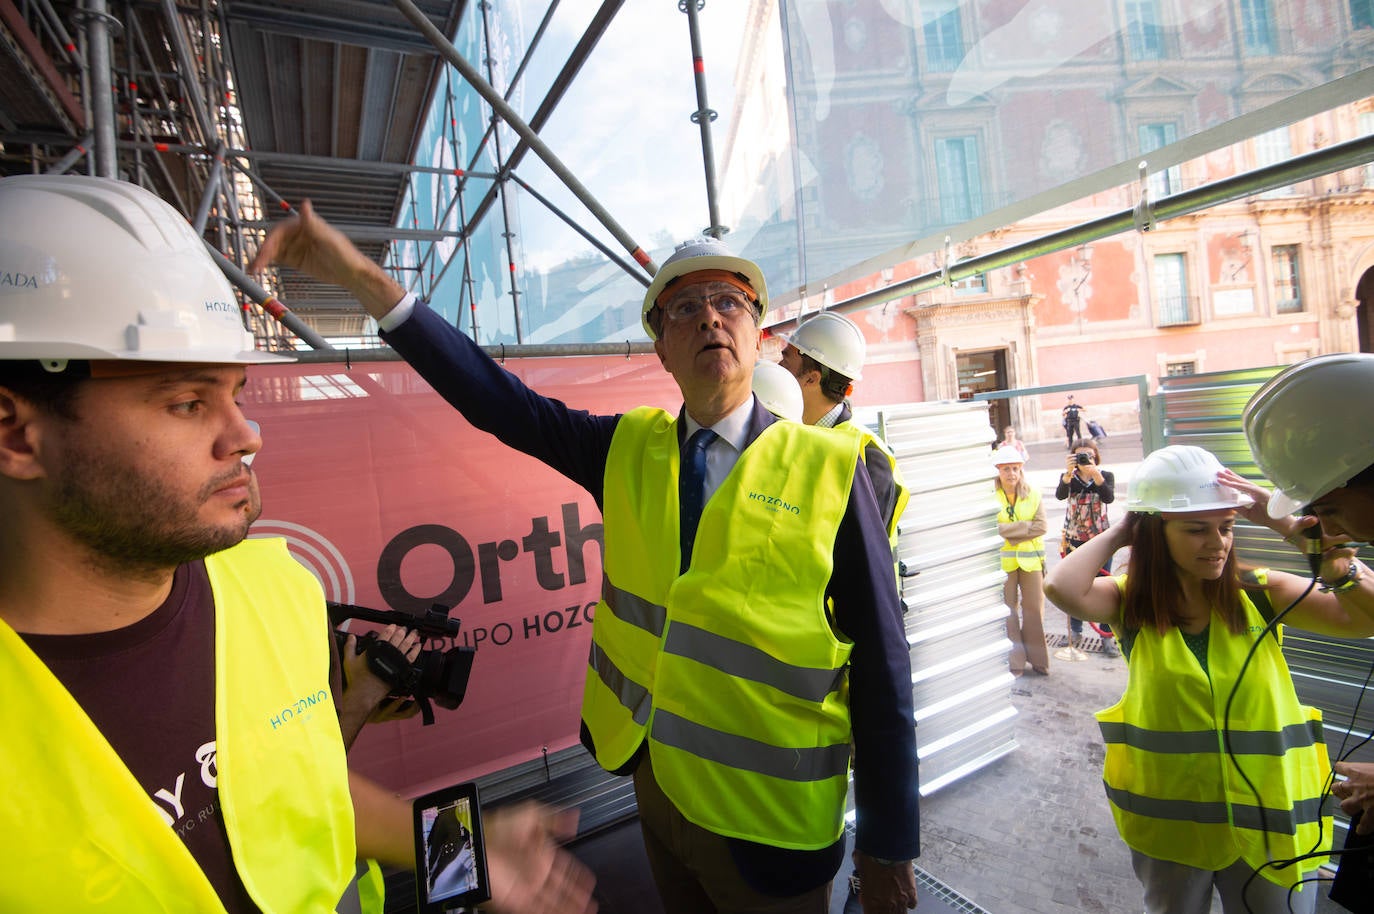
1364, 320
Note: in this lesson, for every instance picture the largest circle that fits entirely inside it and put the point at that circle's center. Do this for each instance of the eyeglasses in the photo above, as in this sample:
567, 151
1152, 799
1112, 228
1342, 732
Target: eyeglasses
728, 305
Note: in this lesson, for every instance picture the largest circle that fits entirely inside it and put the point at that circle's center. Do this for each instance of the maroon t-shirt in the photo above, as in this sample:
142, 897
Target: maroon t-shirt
150, 689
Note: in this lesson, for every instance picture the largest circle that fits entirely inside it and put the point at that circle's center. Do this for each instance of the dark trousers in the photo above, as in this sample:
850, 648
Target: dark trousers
693, 868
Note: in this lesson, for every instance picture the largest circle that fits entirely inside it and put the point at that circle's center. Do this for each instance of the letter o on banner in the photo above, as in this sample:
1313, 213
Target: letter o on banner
389, 568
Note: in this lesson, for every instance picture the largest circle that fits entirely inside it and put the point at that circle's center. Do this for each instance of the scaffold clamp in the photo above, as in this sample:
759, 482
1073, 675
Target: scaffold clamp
1144, 210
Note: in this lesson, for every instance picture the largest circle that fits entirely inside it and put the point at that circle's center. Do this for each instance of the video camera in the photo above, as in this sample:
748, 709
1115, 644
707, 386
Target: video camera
438, 673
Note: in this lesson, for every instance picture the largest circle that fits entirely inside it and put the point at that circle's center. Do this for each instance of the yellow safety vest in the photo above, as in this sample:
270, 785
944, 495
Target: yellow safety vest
79, 833
732, 670
1028, 555
1176, 795
903, 494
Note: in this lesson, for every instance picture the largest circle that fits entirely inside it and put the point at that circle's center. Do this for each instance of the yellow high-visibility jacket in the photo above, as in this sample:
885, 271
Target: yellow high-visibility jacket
1174, 792
731, 671
1028, 554
81, 834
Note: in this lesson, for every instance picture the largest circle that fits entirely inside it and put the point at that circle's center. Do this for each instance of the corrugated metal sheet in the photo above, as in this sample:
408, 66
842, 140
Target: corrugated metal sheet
956, 620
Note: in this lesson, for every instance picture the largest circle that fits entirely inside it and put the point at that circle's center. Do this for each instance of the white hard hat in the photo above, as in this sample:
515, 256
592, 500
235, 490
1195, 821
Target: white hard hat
1311, 428
1006, 454
834, 341
702, 254
777, 390
102, 269
1181, 478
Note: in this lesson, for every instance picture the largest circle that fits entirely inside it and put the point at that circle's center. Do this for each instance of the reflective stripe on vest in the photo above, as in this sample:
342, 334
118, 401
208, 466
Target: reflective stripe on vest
283, 791
366, 893
816, 764
1174, 792
752, 633
1028, 555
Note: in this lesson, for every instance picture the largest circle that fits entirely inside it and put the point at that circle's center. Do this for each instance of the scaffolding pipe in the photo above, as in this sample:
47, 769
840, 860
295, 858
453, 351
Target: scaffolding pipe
451, 138
102, 99
600, 21
703, 117
263, 186
188, 70
356, 231
269, 302
506, 214
508, 114
212, 188
64, 38
497, 351
134, 28
131, 88
352, 166
586, 235
73, 155
1352, 154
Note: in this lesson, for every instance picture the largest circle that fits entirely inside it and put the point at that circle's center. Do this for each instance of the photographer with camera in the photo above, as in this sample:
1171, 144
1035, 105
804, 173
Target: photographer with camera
1089, 489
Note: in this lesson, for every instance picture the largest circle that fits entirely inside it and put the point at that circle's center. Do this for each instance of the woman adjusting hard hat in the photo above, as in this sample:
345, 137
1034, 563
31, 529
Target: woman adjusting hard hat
1177, 770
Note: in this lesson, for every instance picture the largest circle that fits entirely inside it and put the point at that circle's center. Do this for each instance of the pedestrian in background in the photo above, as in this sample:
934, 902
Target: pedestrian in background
1009, 439
1070, 416
1203, 800
1088, 489
1021, 524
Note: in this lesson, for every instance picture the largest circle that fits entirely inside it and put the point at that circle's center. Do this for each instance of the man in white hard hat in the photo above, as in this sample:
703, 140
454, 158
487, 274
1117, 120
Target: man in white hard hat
170, 734
749, 627
1312, 435
826, 355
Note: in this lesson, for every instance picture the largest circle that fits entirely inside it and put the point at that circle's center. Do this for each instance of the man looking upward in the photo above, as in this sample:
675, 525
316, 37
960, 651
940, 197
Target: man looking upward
749, 627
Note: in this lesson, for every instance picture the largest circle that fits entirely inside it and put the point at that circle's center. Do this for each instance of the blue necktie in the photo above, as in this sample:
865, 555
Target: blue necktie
692, 488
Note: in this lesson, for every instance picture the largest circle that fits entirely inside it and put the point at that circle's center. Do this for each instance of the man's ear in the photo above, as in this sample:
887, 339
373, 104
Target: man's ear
658, 350
19, 433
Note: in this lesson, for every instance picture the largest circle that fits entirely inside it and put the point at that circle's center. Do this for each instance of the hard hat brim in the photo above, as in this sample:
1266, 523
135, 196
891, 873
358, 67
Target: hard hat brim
1281, 504
687, 266
40, 351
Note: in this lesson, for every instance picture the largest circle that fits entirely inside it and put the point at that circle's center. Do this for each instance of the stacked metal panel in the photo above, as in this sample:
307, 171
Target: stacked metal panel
956, 620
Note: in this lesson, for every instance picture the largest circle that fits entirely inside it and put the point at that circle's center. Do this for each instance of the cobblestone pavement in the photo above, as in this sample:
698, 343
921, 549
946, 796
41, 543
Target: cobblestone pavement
1032, 833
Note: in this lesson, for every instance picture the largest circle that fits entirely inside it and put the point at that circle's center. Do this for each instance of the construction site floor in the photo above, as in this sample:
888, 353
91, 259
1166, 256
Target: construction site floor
625, 886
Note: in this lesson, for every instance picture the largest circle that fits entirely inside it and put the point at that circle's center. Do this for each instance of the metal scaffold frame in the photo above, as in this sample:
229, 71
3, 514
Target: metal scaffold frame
147, 90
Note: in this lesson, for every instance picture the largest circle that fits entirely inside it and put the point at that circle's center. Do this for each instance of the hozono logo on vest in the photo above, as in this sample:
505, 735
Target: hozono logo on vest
773, 503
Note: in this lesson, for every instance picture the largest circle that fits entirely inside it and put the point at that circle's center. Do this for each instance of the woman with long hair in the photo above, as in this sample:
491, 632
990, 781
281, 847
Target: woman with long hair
1215, 772
1021, 523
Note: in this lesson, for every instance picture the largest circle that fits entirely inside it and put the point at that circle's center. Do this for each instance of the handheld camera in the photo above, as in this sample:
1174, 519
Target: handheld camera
439, 674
